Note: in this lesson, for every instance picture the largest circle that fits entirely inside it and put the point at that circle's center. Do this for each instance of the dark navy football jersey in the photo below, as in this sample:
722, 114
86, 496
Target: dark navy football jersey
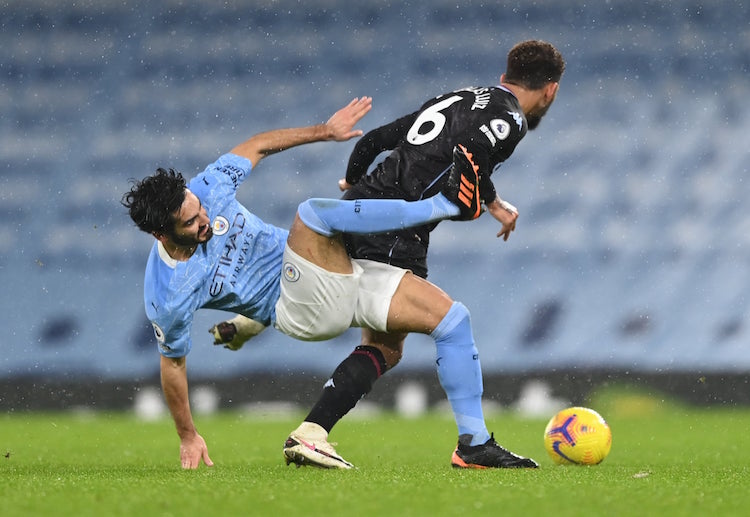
488, 121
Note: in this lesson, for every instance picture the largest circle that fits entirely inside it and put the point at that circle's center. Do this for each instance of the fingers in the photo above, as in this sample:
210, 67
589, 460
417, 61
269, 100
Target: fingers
342, 122
506, 231
192, 463
353, 133
344, 185
192, 452
189, 463
362, 103
360, 107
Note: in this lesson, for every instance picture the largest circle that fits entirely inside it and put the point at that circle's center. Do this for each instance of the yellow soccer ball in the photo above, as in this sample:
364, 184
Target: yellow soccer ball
577, 435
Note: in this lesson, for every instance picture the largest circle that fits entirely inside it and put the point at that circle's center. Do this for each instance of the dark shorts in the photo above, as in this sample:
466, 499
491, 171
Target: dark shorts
404, 249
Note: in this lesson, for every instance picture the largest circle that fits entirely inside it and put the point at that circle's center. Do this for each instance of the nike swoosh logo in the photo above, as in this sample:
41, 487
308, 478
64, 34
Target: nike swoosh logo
308, 445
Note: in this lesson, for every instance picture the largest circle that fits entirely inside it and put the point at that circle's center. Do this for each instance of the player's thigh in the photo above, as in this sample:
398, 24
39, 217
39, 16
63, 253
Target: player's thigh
377, 284
326, 252
315, 304
417, 306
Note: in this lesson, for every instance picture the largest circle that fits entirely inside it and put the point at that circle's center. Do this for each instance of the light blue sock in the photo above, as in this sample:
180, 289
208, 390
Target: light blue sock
330, 216
460, 373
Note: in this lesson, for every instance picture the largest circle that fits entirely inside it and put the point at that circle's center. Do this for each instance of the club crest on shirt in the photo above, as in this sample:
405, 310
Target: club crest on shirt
291, 273
220, 225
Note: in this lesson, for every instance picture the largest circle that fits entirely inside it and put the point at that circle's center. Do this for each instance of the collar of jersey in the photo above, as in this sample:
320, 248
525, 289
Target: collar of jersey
164, 256
507, 90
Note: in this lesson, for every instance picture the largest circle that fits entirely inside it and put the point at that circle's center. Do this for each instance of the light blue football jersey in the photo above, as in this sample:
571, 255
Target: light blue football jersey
237, 270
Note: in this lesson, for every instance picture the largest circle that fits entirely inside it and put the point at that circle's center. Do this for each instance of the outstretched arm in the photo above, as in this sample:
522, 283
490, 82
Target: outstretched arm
174, 384
338, 128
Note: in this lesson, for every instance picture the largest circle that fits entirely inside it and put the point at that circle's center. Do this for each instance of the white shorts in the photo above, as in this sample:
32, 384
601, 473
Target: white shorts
316, 304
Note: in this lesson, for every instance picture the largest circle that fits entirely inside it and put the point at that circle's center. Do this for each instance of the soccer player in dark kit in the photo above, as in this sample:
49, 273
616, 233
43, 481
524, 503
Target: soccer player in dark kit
210, 251
489, 122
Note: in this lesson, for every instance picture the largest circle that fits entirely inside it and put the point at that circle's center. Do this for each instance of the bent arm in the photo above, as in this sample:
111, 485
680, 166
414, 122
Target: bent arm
373, 143
480, 152
338, 128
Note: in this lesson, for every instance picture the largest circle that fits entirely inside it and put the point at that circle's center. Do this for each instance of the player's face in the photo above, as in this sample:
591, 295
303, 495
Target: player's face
534, 116
192, 225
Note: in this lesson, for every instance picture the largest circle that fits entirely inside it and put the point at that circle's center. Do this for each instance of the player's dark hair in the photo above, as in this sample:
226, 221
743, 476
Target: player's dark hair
534, 63
153, 200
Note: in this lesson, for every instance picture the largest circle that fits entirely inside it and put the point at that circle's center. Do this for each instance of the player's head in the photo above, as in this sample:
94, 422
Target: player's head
152, 201
535, 65
162, 205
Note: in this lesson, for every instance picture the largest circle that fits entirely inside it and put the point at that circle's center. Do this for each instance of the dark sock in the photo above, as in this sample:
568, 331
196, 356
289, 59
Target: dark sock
351, 381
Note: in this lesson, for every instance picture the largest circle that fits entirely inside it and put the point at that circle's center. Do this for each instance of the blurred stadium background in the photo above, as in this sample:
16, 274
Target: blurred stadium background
631, 257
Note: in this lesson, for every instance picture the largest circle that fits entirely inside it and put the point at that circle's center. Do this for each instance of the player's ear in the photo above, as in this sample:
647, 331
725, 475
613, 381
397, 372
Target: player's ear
550, 91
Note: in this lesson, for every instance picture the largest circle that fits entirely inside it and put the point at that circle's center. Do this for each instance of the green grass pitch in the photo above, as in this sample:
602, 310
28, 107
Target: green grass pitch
666, 460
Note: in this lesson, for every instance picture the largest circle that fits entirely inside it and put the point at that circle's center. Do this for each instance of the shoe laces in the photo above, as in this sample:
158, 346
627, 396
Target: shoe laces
492, 443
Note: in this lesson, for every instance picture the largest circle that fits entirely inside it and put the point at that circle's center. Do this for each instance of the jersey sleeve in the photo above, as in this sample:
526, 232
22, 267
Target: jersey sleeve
221, 178
168, 309
373, 143
492, 141
173, 337
481, 152
487, 191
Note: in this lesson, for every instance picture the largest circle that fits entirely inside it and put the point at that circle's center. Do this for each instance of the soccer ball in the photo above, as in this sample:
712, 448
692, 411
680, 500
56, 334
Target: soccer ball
577, 435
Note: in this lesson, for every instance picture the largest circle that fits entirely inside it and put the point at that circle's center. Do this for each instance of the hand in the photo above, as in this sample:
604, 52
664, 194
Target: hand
507, 228
341, 123
234, 333
344, 185
192, 450
506, 214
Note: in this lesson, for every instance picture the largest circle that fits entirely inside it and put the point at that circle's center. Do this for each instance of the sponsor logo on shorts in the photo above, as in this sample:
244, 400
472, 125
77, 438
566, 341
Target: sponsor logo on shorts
291, 273
220, 225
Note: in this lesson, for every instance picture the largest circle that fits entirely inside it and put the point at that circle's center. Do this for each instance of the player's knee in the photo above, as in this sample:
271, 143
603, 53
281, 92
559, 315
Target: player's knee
455, 328
457, 317
392, 357
309, 213
460, 312
390, 346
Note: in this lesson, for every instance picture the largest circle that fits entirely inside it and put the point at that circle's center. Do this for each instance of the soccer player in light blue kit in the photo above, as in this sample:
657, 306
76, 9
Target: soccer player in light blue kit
212, 252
